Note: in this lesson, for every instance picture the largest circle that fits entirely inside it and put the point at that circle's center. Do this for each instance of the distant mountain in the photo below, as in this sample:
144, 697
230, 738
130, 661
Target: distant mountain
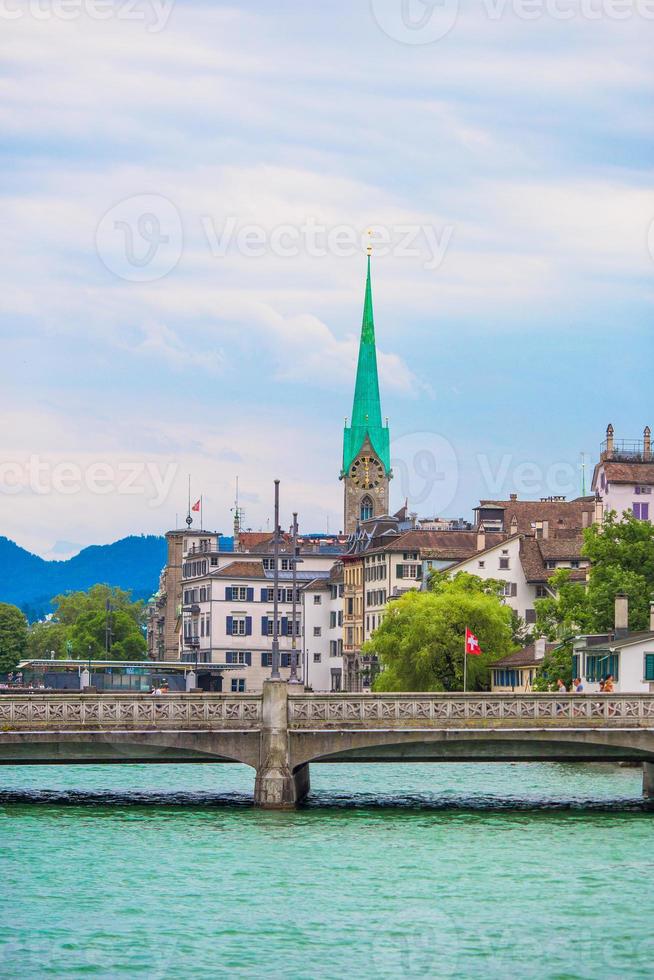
30, 582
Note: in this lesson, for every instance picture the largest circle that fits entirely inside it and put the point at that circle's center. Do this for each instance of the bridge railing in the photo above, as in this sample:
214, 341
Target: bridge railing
469, 710
114, 711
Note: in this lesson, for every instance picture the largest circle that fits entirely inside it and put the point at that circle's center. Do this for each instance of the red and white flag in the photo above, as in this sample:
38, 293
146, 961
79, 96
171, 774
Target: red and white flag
472, 644
196, 507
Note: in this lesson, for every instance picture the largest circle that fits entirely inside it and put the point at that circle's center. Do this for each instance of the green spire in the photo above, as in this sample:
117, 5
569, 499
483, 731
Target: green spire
366, 410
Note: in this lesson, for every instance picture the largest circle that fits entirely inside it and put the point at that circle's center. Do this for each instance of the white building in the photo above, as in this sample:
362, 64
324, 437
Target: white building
627, 657
322, 632
624, 477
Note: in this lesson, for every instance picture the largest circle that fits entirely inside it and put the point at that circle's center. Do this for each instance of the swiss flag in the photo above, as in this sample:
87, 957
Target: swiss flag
196, 507
472, 644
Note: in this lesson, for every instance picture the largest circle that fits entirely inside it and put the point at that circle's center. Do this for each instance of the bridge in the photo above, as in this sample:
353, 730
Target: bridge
284, 729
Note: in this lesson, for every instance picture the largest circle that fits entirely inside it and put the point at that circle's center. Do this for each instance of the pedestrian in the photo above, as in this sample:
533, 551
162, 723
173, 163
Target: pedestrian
601, 685
560, 686
608, 685
577, 686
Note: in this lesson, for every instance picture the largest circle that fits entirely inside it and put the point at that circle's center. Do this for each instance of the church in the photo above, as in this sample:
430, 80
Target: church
366, 471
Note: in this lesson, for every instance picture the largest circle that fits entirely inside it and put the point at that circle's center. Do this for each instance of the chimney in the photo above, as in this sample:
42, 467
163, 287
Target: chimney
514, 525
513, 497
585, 516
647, 444
609, 439
651, 613
481, 538
621, 615
539, 648
546, 530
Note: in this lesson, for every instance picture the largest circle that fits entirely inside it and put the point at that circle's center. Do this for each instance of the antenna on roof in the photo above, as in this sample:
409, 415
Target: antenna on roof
583, 474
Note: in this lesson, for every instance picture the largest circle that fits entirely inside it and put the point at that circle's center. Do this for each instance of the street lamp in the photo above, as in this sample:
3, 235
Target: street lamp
294, 678
274, 673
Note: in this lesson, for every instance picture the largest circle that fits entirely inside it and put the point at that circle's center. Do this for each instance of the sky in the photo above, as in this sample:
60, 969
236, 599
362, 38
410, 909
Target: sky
185, 194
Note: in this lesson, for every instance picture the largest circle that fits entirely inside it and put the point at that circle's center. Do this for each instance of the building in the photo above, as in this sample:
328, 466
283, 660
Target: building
366, 468
628, 657
322, 631
624, 477
515, 673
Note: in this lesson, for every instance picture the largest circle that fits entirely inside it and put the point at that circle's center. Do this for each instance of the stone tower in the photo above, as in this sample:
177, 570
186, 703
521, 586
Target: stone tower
366, 468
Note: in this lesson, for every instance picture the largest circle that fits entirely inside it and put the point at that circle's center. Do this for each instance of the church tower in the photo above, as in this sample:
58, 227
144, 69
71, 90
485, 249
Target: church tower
366, 471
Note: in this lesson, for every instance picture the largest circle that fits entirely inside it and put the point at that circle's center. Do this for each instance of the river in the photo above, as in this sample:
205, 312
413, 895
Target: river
525, 870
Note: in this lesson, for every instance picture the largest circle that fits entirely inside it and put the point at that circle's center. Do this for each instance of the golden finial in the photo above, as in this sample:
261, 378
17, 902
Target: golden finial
369, 249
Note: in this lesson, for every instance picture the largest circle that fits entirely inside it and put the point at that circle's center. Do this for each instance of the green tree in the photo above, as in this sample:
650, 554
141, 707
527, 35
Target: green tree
556, 664
83, 615
47, 638
621, 552
420, 641
13, 637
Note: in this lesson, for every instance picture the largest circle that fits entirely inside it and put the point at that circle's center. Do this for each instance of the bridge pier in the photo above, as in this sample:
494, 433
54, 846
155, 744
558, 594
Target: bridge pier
648, 780
276, 787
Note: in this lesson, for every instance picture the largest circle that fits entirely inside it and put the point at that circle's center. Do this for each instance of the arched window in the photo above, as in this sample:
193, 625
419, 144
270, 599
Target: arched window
366, 509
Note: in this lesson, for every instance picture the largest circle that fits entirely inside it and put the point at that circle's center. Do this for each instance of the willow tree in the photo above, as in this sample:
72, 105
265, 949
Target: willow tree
420, 642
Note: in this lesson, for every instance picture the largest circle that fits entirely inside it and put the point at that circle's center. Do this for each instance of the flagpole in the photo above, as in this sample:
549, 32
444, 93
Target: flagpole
465, 663
202, 512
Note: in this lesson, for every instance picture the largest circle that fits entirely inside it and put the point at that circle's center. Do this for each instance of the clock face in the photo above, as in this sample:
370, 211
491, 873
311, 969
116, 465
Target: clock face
367, 472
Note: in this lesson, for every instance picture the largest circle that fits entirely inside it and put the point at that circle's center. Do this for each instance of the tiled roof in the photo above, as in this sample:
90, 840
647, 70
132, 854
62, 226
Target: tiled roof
241, 569
562, 548
535, 552
445, 545
558, 513
523, 658
626, 472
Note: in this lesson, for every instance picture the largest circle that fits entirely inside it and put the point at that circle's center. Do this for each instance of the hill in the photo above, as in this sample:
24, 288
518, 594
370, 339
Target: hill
30, 582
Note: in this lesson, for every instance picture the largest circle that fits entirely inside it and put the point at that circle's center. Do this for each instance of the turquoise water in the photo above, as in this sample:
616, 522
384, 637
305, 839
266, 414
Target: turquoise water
389, 871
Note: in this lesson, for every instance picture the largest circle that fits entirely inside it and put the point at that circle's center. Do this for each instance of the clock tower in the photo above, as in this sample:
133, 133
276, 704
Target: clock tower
366, 471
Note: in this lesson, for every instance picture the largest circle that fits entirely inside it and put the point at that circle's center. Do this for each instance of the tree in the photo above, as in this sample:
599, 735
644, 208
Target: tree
83, 616
46, 638
13, 637
420, 641
555, 664
621, 552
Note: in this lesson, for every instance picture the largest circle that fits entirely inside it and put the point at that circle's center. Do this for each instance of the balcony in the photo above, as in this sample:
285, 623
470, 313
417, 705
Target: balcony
626, 451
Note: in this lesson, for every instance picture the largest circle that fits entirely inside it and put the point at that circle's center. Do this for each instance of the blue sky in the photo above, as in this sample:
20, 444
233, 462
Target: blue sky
521, 148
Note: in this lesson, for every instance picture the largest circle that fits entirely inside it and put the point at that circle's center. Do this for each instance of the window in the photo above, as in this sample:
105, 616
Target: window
507, 678
239, 625
642, 489
482, 564
317, 599
238, 657
410, 556
317, 657
336, 679
317, 631
541, 592
641, 511
550, 564
574, 563
504, 563
649, 666
333, 648
332, 619
600, 665
239, 593
238, 685
366, 511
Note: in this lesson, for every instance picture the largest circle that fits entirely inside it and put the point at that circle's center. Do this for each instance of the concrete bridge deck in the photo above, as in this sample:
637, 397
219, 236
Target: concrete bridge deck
282, 730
